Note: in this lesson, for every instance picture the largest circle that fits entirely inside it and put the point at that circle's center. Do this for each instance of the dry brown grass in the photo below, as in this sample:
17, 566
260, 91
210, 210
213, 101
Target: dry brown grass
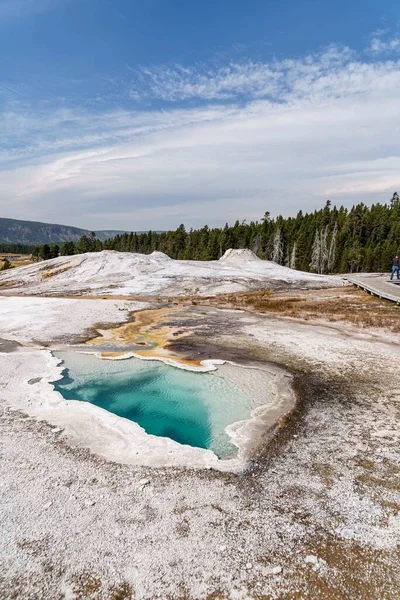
9, 283
21, 260
347, 304
88, 586
52, 272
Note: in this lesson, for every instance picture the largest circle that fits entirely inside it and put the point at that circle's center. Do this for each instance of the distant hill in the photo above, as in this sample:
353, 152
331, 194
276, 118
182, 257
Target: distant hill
13, 231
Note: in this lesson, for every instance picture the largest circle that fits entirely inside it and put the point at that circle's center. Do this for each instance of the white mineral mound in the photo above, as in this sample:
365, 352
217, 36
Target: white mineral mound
124, 273
236, 257
159, 255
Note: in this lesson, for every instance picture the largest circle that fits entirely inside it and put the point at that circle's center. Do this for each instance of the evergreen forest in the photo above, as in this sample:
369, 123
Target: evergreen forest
330, 240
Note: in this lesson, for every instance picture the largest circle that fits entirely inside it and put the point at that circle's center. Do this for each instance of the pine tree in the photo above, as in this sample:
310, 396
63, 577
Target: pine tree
68, 249
45, 252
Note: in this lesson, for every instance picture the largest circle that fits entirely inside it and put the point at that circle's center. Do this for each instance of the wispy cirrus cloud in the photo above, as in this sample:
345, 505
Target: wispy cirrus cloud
235, 140
28, 133
276, 79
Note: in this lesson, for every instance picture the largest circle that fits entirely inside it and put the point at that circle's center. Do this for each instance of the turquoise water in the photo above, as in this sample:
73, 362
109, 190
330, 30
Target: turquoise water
190, 408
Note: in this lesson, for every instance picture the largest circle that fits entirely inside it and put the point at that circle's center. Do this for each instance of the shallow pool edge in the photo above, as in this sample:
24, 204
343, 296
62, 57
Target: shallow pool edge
120, 440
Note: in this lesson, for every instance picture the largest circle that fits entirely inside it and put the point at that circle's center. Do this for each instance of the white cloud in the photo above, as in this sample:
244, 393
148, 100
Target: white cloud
278, 79
330, 128
379, 46
384, 42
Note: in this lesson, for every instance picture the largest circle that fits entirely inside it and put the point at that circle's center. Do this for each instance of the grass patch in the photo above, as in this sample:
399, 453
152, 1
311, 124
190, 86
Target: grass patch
347, 304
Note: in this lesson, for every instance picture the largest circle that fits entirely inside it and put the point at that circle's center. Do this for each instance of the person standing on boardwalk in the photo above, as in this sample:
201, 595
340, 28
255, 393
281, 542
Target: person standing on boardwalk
395, 267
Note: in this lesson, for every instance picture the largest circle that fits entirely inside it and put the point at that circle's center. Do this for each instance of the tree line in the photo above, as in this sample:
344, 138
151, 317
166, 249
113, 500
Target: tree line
330, 240
16, 248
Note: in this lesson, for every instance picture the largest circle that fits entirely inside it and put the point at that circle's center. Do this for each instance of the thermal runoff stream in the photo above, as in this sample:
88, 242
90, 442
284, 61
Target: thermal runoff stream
188, 407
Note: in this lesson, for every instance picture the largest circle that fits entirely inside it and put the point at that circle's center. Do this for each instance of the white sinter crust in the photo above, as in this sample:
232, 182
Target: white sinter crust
122, 273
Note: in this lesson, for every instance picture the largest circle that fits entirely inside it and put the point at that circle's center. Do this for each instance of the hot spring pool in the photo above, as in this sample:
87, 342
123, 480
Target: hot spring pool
188, 407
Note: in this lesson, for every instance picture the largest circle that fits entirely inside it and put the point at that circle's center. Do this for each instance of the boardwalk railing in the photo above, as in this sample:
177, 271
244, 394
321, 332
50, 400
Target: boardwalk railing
377, 286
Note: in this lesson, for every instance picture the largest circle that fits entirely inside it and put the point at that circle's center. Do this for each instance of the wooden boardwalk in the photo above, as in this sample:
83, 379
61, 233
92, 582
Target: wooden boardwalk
377, 285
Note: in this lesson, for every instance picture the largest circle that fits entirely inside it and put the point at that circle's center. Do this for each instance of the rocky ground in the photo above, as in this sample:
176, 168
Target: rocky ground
314, 516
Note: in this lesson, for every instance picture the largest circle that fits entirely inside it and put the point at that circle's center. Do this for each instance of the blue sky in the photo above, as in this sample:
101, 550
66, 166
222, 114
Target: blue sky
138, 114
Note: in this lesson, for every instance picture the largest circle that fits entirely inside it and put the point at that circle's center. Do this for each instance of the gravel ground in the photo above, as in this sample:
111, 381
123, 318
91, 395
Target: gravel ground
315, 515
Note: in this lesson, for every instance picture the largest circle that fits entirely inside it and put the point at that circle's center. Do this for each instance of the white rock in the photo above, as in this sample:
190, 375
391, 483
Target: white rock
276, 570
267, 571
47, 505
222, 548
144, 482
311, 559
56, 430
89, 503
249, 566
347, 533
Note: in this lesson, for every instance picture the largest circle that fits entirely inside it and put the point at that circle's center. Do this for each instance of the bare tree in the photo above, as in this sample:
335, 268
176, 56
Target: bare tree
277, 252
320, 251
324, 250
315, 263
287, 257
257, 244
292, 263
332, 250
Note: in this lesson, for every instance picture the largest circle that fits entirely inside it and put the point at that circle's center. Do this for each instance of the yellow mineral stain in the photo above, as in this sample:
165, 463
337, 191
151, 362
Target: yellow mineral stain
150, 331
